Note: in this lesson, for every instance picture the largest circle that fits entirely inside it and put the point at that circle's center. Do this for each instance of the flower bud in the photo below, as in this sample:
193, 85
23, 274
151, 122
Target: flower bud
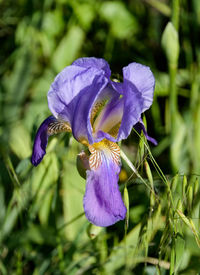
179, 205
126, 202
174, 183
82, 164
184, 185
190, 197
93, 231
148, 172
196, 186
170, 44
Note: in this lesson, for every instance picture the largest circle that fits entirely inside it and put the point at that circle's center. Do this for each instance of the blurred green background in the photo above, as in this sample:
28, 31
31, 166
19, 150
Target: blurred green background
43, 229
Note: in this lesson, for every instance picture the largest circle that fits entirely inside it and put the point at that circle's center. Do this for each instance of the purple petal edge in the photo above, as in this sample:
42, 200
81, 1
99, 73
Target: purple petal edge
138, 89
140, 127
94, 62
40, 142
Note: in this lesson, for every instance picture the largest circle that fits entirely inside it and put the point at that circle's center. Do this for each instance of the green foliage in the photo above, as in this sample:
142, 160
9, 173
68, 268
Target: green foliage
43, 229
121, 22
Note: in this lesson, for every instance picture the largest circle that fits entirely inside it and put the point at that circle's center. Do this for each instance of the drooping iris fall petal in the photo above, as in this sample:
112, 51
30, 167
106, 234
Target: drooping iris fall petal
102, 202
49, 127
139, 126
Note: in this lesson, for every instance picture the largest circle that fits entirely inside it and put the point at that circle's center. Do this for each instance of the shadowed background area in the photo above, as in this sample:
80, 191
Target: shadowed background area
43, 229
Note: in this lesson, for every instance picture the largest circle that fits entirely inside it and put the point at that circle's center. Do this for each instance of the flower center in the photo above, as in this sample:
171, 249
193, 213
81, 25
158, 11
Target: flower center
106, 116
96, 110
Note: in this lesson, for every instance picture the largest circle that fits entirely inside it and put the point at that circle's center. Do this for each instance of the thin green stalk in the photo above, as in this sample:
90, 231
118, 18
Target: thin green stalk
173, 67
175, 13
132, 167
157, 168
172, 258
173, 97
10, 169
70, 222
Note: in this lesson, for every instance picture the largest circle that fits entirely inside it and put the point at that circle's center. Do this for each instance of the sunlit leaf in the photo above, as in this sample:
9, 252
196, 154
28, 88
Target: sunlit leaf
68, 48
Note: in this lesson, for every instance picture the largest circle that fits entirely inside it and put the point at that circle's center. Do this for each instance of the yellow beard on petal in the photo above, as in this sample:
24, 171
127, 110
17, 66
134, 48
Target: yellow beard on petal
58, 126
104, 148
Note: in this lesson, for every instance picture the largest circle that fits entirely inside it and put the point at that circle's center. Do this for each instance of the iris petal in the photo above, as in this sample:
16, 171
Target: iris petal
81, 125
111, 116
102, 202
105, 113
137, 88
49, 127
72, 95
140, 127
143, 80
98, 63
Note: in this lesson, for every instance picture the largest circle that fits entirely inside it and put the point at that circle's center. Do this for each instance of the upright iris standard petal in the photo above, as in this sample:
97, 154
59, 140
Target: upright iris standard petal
102, 202
110, 118
81, 125
98, 63
66, 89
105, 113
138, 88
49, 127
72, 94
142, 78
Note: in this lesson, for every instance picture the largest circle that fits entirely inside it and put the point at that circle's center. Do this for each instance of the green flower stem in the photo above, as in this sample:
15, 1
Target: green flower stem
172, 258
173, 105
173, 69
173, 102
175, 13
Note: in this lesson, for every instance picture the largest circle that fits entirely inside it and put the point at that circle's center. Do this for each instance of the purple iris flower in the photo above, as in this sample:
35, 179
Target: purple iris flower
99, 112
